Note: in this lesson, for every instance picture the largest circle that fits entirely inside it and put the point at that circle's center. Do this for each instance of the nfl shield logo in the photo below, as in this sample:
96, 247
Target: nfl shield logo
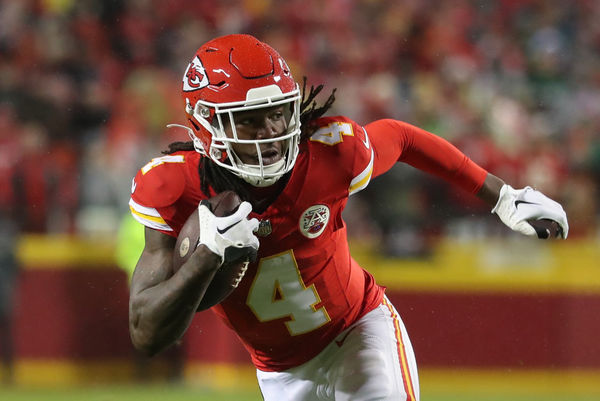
264, 228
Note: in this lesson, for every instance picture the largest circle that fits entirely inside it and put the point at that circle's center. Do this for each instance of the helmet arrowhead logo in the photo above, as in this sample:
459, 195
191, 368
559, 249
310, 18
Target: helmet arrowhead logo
195, 76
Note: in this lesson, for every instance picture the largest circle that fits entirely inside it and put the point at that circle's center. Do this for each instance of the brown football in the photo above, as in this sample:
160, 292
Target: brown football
546, 228
227, 277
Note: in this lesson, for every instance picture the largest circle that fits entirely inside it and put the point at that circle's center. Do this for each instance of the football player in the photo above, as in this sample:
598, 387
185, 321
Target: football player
316, 324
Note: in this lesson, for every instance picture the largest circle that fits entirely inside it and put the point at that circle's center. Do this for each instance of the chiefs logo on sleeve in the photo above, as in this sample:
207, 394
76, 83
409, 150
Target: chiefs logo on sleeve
195, 76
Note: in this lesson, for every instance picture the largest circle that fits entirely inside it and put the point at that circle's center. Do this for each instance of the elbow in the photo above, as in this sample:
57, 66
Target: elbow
141, 342
143, 339
144, 343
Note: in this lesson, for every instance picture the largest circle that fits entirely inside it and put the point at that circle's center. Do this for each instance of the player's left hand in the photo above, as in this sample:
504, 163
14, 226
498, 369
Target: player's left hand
516, 207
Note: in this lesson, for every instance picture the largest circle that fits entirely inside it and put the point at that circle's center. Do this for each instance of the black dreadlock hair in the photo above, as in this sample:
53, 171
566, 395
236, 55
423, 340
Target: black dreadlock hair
310, 111
221, 179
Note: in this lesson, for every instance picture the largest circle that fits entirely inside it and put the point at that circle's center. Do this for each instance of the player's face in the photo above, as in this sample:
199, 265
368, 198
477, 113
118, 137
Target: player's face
266, 123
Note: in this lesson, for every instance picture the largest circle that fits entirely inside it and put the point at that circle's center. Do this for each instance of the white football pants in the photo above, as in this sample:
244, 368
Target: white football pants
371, 360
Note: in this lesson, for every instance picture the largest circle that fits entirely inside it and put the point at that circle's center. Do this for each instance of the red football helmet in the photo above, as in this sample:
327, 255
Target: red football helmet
236, 73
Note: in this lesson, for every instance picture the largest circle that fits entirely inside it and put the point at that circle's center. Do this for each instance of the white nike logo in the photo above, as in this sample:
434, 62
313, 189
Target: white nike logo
366, 140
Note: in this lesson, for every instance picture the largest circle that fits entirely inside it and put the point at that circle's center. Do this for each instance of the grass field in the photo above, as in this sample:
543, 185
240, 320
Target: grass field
156, 392
53, 381
125, 393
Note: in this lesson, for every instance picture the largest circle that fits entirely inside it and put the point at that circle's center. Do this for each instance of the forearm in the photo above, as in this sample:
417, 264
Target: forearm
398, 141
160, 314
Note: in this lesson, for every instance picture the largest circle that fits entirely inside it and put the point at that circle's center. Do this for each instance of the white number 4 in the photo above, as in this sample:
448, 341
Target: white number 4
157, 161
333, 133
278, 291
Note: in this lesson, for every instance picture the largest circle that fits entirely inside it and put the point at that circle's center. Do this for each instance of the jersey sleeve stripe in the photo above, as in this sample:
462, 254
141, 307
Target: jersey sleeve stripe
157, 220
143, 210
361, 181
148, 216
151, 224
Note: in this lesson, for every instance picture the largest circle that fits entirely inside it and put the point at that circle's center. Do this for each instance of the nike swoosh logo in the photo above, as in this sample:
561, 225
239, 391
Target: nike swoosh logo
223, 231
366, 140
340, 342
518, 202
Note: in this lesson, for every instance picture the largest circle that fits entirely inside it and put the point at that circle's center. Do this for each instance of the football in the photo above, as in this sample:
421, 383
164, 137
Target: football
546, 228
227, 277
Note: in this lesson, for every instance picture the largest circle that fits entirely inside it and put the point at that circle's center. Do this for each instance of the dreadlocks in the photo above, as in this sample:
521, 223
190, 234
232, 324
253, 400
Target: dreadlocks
221, 179
310, 111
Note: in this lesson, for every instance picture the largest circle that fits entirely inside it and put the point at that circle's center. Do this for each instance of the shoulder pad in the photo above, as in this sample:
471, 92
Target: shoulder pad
334, 130
160, 182
348, 149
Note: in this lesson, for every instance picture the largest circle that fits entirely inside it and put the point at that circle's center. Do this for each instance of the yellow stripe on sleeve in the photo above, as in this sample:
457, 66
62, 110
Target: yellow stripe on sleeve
153, 219
361, 181
148, 216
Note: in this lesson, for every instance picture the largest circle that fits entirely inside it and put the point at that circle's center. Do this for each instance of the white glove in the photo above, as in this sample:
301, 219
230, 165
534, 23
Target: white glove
232, 235
516, 206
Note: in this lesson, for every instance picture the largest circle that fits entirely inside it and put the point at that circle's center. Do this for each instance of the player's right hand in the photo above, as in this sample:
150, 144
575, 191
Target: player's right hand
228, 236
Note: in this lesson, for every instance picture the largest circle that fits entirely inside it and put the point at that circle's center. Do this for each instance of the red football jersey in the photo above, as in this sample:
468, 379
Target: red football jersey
305, 288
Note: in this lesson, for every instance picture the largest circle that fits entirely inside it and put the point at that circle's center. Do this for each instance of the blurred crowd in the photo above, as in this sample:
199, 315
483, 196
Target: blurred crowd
87, 87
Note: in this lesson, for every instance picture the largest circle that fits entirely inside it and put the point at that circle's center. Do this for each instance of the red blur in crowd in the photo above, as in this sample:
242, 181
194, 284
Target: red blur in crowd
88, 88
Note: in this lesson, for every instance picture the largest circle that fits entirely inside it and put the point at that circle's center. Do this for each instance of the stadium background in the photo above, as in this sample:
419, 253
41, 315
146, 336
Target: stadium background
87, 87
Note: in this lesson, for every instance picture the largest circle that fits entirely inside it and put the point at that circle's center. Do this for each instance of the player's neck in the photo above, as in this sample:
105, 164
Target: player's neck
222, 179
260, 193
263, 197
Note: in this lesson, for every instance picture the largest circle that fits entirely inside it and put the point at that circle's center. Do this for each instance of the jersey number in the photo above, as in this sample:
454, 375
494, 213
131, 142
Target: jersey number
278, 291
333, 133
157, 161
